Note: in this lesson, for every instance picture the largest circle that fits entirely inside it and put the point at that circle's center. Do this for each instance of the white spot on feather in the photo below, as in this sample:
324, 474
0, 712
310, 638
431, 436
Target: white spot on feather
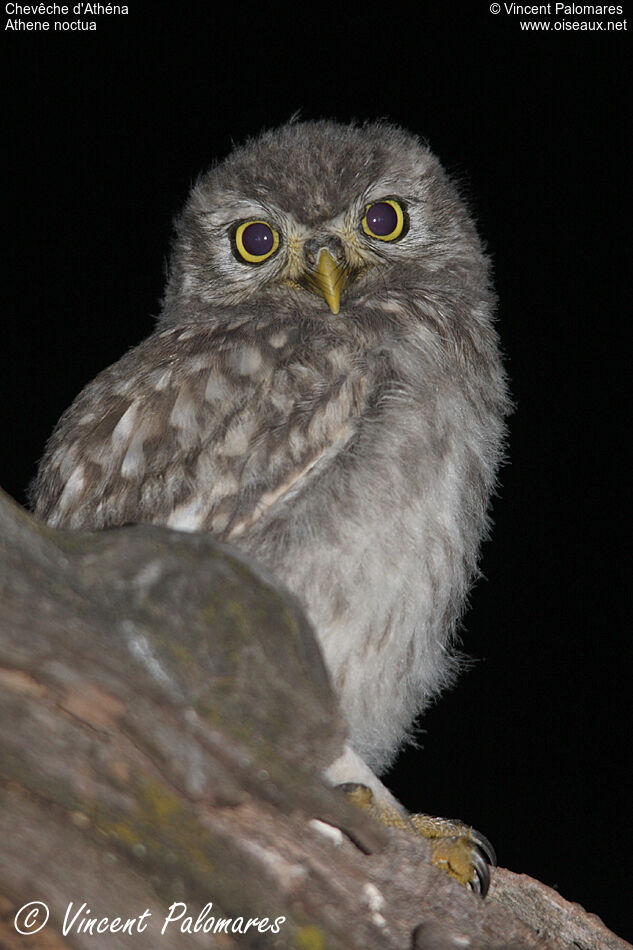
278, 339
198, 363
72, 489
215, 388
280, 400
65, 458
213, 484
392, 306
134, 461
339, 358
159, 380
236, 441
123, 429
247, 360
183, 415
220, 521
187, 517
296, 440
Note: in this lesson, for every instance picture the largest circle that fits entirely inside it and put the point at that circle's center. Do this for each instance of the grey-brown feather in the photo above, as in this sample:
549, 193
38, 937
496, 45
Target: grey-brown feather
354, 454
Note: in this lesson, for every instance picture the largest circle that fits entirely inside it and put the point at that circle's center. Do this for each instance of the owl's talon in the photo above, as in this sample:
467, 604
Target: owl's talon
459, 856
485, 847
458, 850
481, 880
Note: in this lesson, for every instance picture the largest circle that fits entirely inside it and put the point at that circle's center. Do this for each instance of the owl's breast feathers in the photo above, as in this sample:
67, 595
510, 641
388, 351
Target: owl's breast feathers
201, 430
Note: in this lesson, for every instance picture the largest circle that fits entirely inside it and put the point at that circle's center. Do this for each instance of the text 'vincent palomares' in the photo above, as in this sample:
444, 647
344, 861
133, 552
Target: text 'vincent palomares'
565, 9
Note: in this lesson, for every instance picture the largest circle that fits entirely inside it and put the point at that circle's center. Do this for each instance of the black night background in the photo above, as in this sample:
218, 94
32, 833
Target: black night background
104, 133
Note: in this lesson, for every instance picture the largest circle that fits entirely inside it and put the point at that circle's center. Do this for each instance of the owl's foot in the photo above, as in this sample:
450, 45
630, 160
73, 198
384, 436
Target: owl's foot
456, 848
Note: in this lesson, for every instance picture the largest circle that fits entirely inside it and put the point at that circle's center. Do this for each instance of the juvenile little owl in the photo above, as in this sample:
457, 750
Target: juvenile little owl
324, 391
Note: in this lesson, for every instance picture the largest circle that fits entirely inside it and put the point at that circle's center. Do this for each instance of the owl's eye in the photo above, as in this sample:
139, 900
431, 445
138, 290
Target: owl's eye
255, 241
385, 220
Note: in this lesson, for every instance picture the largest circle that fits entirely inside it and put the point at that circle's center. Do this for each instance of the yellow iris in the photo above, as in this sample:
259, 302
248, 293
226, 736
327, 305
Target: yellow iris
379, 210
253, 236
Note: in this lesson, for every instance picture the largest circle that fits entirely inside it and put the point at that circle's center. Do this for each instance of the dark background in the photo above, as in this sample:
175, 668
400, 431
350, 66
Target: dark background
106, 132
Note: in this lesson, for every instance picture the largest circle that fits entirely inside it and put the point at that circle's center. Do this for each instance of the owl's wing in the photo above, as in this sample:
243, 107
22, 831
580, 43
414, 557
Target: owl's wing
201, 430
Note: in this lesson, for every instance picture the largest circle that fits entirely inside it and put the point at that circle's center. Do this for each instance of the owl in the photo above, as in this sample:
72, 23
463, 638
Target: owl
323, 390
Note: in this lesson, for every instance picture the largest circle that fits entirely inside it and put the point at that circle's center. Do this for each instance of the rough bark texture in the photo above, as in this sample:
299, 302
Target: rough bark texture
165, 719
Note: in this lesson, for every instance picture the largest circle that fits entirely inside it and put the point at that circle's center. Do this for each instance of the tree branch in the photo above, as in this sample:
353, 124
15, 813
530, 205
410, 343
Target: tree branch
166, 718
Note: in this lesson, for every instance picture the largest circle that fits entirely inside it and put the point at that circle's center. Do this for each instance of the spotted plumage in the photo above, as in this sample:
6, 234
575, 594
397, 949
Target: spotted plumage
324, 391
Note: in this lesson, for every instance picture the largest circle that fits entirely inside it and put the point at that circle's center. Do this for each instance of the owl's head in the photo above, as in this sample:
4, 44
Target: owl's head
320, 217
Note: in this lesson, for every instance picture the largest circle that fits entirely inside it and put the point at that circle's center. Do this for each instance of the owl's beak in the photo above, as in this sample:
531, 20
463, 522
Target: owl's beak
328, 280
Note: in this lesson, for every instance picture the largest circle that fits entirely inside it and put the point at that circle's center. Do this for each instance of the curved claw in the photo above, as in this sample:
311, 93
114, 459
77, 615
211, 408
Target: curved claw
484, 845
481, 881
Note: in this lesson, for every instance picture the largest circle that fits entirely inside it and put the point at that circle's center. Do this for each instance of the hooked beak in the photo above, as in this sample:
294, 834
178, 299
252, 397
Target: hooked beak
328, 280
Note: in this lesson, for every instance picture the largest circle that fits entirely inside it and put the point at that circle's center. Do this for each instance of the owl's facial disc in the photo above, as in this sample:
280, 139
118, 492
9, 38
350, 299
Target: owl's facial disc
323, 259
